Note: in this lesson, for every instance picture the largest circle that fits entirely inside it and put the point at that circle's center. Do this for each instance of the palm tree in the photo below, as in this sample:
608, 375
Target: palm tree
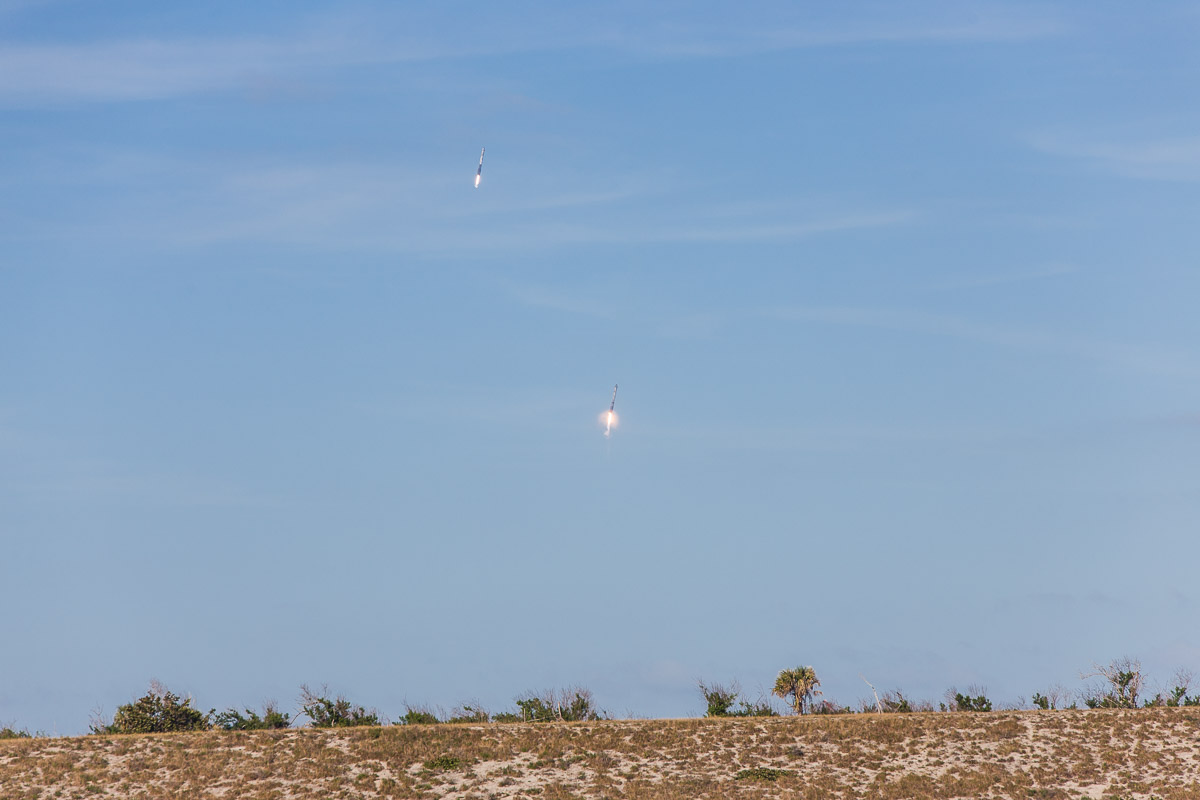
800, 684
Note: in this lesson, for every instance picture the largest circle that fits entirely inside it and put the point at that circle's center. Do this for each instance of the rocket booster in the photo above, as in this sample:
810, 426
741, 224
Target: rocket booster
613, 404
479, 172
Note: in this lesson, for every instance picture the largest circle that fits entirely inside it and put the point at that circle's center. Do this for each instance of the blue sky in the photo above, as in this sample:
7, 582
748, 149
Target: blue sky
900, 299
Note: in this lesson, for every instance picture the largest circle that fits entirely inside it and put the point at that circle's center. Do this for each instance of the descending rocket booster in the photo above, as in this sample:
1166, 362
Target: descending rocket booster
610, 417
479, 172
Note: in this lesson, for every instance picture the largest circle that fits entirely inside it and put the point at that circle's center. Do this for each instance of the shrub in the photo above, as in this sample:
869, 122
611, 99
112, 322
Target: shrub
159, 711
566, 705
272, 718
768, 774
720, 700
444, 763
1124, 683
418, 716
9, 733
469, 714
966, 702
762, 708
1179, 694
830, 707
896, 703
334, 713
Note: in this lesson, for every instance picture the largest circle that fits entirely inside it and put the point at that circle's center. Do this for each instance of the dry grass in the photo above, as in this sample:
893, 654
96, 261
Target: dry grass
1038, 755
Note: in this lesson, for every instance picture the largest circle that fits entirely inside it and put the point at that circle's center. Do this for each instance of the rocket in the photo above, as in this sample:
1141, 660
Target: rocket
613, 404
479, 172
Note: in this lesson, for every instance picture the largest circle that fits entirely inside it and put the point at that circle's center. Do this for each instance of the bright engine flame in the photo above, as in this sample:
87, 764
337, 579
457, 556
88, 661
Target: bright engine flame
609, 418
477, 177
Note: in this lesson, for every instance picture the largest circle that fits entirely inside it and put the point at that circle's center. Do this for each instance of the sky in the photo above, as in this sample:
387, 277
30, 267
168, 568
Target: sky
900, 300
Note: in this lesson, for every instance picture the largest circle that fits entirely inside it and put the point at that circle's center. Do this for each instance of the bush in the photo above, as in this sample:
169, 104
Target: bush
768, 774
830, 707
566, 705
1124, 679
8, 733
334, 713
720, 700
444, 763
469, 714
896, 703
159, 711
965, 702
957, 701
418, 716
272, 718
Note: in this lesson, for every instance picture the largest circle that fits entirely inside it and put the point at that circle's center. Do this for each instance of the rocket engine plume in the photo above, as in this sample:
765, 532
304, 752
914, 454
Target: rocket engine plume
479, 172
610, 416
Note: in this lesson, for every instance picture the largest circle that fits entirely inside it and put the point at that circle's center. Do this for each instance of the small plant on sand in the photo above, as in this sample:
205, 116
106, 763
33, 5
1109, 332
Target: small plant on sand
1054, 698
768, 774
721, 698
957, 701
567, 705
896, 703
829, 707
469, 713
1178, 696
159, 711
444, 763
418, 715
233, 720
1123, 677
333, 713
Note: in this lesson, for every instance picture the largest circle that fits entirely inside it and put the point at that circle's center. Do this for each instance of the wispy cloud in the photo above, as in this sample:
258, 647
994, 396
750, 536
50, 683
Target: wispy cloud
1003, 278
402, 208
1118, 354
169, 64
878, 24
538, 296
147, 69
44, 470
1165, 158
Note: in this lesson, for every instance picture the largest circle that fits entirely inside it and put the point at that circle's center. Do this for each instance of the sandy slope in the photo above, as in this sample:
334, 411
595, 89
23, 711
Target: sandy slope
1051, 754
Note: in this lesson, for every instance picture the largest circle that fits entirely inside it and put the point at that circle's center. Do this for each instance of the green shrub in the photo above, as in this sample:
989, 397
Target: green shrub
10, 733
444, 763
829, 707
418, 716
964, 702
334, 713
721, 698
159, 711
1124, 679
232, 719
768, 774
567, 705
468, 714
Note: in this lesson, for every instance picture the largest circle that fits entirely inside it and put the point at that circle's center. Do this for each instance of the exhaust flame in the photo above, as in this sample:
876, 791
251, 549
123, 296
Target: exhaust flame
609, 418
477, 177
